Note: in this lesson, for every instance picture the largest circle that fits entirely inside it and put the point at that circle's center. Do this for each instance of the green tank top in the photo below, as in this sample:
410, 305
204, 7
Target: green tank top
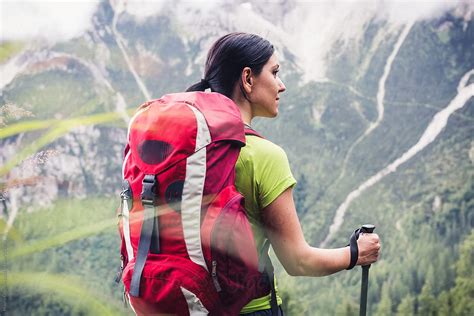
262, 174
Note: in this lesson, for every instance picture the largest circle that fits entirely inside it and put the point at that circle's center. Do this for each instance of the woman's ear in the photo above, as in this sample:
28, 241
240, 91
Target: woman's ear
247, 79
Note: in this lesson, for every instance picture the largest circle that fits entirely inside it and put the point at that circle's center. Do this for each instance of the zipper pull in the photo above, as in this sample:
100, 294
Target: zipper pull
214, 276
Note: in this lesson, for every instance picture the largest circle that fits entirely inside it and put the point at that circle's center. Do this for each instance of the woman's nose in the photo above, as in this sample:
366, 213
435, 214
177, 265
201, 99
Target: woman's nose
281, 85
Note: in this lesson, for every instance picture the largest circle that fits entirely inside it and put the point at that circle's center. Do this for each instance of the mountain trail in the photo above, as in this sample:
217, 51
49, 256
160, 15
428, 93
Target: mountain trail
380, 103
437, 124
348, 87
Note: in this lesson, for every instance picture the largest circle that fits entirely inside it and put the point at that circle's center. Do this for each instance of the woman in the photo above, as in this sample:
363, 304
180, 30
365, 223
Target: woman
244, 67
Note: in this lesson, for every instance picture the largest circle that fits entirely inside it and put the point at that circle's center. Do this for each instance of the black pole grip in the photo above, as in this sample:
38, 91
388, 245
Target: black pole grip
367, 228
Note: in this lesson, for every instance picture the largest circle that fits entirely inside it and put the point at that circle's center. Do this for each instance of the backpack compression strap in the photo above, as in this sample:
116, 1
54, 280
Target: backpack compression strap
150, 223
265, 263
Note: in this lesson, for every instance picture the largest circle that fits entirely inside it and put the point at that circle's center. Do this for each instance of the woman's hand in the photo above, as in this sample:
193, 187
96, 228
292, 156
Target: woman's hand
369, 248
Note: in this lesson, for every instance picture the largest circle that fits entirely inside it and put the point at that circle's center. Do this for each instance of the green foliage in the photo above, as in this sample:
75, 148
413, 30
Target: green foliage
63, 96
68, 289
406, 307
290, 307
77, 244
427, 301
299, 195
9, 49
463, 291
445, 304
346, 308
385, 305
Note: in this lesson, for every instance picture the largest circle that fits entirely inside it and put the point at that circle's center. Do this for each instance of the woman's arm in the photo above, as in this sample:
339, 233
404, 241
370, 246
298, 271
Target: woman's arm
283, 229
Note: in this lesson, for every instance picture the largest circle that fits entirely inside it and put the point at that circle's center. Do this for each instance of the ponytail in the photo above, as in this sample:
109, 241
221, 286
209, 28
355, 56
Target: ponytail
200, 86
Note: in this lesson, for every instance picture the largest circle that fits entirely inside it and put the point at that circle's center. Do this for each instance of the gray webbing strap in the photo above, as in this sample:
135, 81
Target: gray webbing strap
155, 240
263, 257
273, 301
143, 248
265, 264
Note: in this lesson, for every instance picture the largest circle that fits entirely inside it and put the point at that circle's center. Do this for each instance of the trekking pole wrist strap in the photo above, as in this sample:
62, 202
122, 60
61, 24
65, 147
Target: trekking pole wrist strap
354, 249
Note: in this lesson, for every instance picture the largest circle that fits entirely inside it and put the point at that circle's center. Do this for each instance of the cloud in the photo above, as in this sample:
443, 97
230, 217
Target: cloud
145, 8
310, 29
405, 11
317, 27
51, 20
60, 20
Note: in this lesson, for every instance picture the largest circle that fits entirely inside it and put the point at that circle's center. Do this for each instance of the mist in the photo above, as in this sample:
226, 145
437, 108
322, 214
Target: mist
310, 28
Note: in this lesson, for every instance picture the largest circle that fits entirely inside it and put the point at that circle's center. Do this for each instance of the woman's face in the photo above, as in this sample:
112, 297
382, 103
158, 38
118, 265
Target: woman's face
266, 88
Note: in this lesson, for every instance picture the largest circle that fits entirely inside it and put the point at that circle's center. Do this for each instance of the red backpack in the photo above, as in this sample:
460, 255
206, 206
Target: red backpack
187, 245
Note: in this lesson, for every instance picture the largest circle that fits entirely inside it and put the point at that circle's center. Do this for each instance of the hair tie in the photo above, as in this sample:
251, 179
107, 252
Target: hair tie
205, 83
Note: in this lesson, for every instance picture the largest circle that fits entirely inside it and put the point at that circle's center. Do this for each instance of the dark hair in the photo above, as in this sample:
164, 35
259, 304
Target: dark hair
228, 56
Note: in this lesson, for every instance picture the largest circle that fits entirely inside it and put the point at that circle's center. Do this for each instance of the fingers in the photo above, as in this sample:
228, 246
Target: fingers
369, 248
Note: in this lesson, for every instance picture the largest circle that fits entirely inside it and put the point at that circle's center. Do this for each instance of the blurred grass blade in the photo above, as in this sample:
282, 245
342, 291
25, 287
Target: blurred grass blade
32, 148
60, 129
61, 239
12, 234
67, 288
25, 127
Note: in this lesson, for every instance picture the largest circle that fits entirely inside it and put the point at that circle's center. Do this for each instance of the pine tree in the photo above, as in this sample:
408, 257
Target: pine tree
444, 304
346, 309
300, 193
426, 301
407, 306
463, 292
385, 305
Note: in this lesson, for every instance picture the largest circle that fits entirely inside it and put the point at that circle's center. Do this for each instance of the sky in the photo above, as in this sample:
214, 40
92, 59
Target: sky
52, 19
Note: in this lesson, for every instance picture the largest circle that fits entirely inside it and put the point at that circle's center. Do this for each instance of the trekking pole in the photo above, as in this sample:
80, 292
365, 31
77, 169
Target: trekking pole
368, 229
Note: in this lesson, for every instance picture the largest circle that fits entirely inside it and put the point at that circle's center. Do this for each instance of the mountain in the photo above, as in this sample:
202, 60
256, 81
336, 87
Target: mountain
377, 122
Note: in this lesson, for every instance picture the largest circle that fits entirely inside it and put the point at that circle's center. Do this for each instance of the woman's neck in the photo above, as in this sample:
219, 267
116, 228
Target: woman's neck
246, 118
245, 109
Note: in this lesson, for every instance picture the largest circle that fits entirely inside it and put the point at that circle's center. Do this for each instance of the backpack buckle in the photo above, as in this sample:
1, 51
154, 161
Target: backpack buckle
126, 193
149, 196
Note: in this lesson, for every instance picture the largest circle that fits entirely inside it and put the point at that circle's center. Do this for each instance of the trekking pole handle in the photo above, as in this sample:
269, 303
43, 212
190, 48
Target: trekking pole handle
367, 228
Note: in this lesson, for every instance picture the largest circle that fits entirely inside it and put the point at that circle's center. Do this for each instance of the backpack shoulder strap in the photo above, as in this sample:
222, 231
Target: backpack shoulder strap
251, 131
265, 266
